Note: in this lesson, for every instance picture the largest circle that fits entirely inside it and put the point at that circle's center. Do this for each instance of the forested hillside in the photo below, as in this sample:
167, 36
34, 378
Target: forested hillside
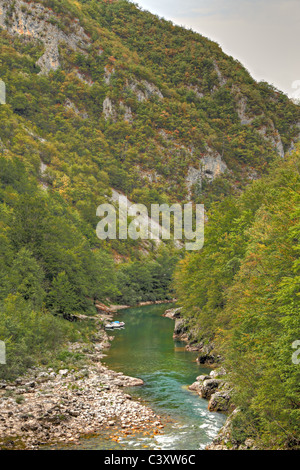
242, 292
103, 96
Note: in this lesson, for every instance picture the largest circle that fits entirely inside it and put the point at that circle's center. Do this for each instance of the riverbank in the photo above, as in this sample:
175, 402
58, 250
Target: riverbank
184, 332
47, 407
52, 408
215, 387
146, 349
116, 308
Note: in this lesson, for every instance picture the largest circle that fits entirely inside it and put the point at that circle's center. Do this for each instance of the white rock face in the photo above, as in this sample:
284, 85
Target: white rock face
194, 176
109, 109
2, 92
156, 232
127, 112
210, 166
297, 139
242, 112
213, 165
108, 72
152, 176
147, 221
38, 22
273, 138
196, 90
87, 80
270, 133
144, 90
43, 168
222, 80
70, 105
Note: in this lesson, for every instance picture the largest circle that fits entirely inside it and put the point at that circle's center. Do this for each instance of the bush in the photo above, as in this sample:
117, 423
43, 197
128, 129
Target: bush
30, 336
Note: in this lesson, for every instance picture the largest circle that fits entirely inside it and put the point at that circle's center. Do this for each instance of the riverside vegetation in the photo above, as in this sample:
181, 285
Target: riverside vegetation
103, 97
241, 298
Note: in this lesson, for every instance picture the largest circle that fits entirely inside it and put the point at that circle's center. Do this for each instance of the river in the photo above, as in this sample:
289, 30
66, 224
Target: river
145, 349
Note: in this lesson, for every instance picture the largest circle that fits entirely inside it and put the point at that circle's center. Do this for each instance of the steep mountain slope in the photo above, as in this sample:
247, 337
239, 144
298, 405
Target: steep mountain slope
106, 95
103, 98
240, 299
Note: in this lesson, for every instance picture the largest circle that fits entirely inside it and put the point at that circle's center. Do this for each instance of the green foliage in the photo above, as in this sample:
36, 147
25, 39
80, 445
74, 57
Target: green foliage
51, 263
173, 95
148, 279
26, 278
243, 292
62, 299
48, 257
47, 265
29, 335
146, 56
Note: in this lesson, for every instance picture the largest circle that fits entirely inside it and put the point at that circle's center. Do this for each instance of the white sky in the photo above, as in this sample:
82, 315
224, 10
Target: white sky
264, 35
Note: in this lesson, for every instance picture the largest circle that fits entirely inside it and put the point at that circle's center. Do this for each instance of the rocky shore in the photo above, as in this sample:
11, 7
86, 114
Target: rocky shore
225, 441
213, 387
49, 407
184, 332
46, 406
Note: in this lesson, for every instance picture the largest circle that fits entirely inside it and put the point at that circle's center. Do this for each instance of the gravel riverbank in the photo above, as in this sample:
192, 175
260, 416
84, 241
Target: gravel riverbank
45, 407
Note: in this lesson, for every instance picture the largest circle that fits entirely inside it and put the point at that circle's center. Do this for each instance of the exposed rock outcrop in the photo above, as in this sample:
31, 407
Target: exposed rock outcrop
242, 111
33, 20
108, 72
219, 401
109, 109
211, 165
206, 354
181, 329
274, 138
2, 92
144, 90
222, 80
126, 112
214, 388
70, 105
173, 313
112, 111
209, 386
184, 332
223, 441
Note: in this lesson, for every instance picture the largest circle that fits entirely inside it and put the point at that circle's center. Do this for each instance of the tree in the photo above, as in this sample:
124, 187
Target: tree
25, 277
62, 299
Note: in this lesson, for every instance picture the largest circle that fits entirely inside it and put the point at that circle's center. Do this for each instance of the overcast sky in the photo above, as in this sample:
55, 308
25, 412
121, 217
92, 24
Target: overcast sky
262, 34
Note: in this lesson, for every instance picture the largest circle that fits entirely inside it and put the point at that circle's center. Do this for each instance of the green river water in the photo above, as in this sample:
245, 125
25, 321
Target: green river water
146, 349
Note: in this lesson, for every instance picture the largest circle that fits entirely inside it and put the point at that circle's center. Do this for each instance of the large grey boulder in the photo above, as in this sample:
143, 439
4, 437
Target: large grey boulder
173, 313
209, 387
220, 401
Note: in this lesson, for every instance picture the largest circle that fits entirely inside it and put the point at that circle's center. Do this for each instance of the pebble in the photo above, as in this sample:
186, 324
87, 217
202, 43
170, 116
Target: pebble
52, 411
